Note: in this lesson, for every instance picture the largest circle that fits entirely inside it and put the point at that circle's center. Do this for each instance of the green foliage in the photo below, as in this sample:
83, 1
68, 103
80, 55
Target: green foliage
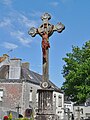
25, 119
76, 72
10, 116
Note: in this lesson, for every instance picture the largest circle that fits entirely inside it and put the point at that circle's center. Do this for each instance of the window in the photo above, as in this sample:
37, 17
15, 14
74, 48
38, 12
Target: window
54, 95
59, 101
30, 96
59, 111
28, 112
54, 99
36, 97
1, 94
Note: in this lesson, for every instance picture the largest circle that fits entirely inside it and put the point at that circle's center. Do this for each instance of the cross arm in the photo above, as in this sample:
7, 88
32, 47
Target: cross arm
33, 31
46, 27
59, 27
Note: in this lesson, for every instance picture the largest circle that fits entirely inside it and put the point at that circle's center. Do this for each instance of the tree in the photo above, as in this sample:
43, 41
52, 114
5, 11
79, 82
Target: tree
76, 72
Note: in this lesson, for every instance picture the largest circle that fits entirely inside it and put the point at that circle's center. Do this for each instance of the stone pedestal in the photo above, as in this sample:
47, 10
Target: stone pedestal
45, 104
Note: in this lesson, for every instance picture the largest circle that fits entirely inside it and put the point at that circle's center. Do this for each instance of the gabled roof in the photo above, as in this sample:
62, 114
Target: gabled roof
36, 78
26, 75
30, 76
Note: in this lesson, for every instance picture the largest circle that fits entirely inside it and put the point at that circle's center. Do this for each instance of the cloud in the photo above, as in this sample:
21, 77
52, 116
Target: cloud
17, 33
17, 24
23, 39
9, 45
6, 2
5, 22
54, 4
36, 14
22, 20
65, 1
26, 21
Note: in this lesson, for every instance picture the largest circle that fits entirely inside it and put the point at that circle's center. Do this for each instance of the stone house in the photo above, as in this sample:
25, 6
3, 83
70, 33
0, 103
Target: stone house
18, 89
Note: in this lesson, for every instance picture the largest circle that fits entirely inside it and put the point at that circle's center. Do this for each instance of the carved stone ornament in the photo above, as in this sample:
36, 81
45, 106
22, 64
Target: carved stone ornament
32, 31
45, 84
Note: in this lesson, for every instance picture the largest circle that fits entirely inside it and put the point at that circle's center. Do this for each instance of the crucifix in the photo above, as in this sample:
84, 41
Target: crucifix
45, 30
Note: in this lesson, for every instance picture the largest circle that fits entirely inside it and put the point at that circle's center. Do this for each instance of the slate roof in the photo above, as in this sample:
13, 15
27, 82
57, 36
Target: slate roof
36, 78
30, 76
26, 75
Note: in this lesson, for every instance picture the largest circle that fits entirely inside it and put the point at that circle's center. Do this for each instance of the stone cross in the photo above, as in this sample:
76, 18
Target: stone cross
18, 108
45, 30
68, 113
78, 111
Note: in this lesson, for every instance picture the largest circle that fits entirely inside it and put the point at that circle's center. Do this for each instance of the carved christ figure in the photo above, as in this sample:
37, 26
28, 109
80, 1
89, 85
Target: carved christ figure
45, 45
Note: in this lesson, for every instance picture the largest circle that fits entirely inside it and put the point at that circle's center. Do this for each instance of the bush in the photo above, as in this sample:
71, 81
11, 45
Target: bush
24, 119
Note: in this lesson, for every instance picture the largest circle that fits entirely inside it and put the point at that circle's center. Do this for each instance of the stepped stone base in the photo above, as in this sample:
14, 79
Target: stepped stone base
46, 117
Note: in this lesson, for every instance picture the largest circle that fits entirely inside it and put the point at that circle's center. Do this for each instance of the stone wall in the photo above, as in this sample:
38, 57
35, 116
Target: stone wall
27, 104
12, 95
18, 93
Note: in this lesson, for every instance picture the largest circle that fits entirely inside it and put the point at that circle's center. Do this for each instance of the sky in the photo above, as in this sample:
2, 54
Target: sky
18, 16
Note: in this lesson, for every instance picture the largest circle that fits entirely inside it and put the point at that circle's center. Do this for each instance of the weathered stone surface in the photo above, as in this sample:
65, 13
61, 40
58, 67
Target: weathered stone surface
45, 97
12, 94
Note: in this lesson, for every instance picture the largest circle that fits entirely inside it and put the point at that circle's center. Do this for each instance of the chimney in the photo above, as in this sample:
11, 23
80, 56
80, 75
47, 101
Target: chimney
25, 65
4, 60
15, 68
6, 57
